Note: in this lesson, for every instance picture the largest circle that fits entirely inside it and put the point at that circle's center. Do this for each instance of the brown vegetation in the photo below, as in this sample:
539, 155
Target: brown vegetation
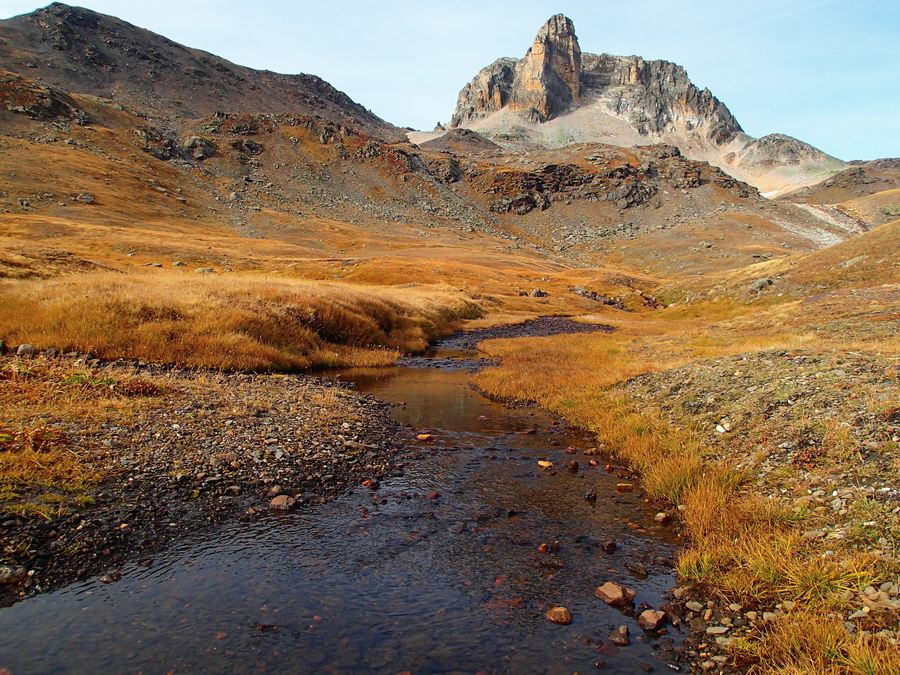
740, 545
233, 322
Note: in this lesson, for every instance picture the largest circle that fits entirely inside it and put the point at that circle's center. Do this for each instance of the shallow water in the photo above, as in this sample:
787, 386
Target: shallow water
394, 580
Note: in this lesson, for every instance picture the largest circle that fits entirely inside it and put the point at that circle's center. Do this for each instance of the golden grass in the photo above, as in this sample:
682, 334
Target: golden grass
248, 322
35, 455
808, 643
31, 389
741, 546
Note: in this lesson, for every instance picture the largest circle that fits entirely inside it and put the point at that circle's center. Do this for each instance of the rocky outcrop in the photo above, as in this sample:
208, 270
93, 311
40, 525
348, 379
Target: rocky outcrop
558, 95
626, 183
21, 95
549, 77
554, 77
488, 92
656, 97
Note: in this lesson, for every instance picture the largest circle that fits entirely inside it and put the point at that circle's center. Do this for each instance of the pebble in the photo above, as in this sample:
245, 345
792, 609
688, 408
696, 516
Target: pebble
620, 637
651, 619
559, 615
12, 574
282, 503
614, 594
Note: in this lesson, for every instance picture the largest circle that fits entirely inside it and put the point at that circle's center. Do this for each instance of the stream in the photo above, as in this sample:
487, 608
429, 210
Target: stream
438, 570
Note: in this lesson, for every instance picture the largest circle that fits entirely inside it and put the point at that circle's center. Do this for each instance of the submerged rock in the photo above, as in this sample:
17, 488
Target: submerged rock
560, 615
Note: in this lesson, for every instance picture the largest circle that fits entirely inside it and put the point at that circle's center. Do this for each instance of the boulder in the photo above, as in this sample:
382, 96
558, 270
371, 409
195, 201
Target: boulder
760, 285
200, 148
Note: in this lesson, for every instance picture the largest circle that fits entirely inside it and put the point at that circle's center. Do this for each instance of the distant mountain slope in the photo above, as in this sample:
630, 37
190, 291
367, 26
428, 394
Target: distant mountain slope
461, 141
81, 51
866, 191
556, 95
857, 180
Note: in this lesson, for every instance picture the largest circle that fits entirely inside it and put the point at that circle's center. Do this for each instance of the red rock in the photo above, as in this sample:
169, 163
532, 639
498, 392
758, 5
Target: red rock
571, 450
434, 495
651, 619
614, 594
560, 615
282, 503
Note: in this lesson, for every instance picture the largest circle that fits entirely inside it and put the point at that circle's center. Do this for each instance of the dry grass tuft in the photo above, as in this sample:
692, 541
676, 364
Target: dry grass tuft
803, 642
36, 456
228, 321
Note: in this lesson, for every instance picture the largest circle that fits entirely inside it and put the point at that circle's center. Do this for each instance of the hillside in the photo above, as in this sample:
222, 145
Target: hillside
866, 191
81, 51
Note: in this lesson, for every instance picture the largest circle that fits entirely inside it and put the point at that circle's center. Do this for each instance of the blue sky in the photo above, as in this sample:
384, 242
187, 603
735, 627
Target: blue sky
825, 71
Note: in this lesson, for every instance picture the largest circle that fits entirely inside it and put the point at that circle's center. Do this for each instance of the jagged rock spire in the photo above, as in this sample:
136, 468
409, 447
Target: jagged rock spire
549, 81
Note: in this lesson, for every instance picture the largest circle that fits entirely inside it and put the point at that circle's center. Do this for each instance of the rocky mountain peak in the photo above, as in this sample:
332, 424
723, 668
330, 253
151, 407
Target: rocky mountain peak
557, 95
550, 77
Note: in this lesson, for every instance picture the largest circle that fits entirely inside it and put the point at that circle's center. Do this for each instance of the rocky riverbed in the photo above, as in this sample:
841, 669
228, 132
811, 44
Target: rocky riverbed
202, 448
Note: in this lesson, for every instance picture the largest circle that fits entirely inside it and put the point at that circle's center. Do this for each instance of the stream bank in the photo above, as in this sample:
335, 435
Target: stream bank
447, 562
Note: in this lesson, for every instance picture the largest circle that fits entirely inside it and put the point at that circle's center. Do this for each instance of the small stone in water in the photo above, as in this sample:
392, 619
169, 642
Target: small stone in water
283, 503
651, 619
619, 636
614, 594
560, 615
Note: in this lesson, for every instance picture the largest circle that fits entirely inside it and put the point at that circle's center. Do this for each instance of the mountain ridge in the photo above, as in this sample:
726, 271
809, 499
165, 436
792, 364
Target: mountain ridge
83, 51
625, 100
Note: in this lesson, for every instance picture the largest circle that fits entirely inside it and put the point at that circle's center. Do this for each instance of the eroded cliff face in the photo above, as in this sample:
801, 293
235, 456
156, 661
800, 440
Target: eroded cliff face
548, 79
